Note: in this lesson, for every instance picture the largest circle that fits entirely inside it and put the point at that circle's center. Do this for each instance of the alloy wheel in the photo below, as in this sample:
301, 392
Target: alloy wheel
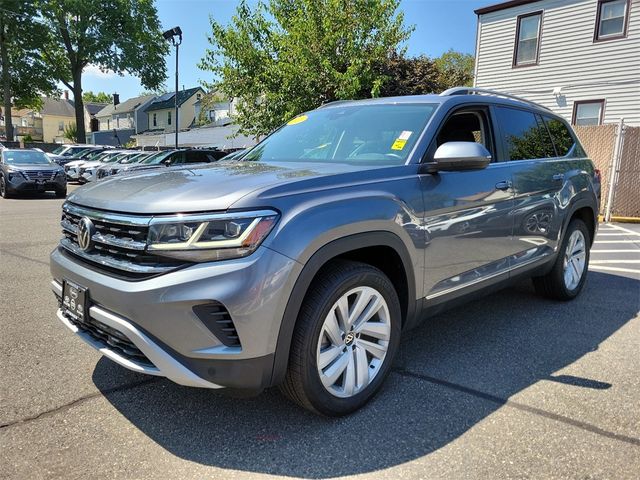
353, 342
574, 260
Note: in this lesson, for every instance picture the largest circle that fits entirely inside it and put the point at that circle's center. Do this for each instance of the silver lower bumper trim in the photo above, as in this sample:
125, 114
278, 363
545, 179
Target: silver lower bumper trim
164, 364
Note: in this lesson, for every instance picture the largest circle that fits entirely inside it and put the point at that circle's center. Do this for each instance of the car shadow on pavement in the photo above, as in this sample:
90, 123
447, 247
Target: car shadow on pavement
497, 346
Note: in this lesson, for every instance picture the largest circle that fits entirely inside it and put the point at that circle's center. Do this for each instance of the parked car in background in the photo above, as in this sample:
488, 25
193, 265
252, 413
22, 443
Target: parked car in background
235, 155
72, 169
301, 264
25, 170
88, 171
121, 164
85, 155
69, 151
190, 156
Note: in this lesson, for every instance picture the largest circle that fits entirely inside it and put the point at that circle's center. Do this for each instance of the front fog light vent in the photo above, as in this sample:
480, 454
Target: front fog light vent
217, 319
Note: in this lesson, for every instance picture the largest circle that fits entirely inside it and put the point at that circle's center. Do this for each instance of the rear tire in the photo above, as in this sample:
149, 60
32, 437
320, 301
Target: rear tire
61, 193
569, 273
362, 347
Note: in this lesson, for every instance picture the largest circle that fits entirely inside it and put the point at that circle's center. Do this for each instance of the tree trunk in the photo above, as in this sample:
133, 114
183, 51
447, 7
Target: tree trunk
6, 83
79, 106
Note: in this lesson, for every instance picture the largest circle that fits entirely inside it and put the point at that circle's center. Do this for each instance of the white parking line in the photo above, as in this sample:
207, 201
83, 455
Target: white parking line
630, 232
614, 269
635, 250
598, 262
612, 234
616, 241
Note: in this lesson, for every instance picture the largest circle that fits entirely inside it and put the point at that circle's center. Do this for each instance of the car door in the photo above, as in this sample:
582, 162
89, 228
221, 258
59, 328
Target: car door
468, 213
537, 176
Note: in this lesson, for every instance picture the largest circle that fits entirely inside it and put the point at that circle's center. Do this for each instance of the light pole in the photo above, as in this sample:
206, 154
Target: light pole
171, 35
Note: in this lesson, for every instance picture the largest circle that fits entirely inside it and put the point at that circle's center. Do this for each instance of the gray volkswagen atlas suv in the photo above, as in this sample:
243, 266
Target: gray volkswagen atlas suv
302, 264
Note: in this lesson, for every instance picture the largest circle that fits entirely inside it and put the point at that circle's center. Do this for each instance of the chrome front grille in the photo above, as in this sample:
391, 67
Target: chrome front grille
118, 243
46, 175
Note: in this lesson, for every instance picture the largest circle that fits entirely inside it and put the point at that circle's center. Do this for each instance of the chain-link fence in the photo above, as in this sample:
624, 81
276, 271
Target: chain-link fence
622, 162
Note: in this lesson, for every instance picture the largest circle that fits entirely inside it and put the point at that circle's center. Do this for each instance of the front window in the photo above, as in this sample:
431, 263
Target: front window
378, 134
588, 112
25, 157
527, 39
156, 158
612, 19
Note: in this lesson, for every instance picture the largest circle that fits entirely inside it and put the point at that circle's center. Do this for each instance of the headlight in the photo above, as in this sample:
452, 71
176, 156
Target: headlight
202, 238
13, 174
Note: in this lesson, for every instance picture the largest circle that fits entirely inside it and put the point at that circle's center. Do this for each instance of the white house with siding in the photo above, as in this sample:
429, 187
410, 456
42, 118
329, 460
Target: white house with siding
580, 58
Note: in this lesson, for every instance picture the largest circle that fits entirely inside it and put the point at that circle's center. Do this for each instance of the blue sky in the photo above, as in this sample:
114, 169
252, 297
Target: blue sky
439, 26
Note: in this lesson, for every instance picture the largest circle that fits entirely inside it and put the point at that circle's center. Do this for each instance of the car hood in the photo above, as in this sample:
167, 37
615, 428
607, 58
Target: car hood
25, 167
75, 163
207, 188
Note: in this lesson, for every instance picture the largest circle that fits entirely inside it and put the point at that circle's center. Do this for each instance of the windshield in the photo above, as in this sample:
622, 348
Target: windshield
134, 158
91, 154
114, 157
25, 157
155, 159
59, 150
73, 151
382, 134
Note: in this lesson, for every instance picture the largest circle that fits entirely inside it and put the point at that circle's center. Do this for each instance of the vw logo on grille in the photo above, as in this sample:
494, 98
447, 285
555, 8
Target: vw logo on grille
85, 232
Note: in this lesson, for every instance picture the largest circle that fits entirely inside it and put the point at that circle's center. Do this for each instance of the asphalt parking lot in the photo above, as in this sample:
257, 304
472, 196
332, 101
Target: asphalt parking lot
510, 386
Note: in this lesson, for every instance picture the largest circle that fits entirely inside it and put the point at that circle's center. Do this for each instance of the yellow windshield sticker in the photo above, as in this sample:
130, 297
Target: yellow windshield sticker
398, 144
297, 120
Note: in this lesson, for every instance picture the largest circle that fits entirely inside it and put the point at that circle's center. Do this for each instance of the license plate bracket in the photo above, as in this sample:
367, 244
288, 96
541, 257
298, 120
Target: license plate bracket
75, 299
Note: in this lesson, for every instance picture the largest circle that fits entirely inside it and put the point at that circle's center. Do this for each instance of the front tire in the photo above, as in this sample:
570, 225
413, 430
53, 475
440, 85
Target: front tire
569, 273
4, 193
345, 339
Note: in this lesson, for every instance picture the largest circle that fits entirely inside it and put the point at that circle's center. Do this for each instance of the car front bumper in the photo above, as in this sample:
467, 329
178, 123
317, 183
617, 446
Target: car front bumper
157, 316
20, 185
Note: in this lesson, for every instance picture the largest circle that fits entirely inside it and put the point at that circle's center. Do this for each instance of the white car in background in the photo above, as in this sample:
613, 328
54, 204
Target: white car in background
72, 169
87, 172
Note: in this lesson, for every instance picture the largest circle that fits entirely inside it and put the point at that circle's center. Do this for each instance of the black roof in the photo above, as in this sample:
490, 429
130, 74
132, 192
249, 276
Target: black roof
167, 100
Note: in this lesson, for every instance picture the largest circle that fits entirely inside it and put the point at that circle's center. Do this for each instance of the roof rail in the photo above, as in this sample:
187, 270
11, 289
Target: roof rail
477, 91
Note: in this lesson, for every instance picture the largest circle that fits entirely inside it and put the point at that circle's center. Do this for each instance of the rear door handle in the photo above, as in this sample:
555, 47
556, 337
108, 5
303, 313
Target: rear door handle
558, 177
504, 185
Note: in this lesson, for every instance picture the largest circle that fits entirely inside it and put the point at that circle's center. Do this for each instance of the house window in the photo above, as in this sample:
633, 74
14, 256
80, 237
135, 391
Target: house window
527, 39
611, 21
169, 117
198, 96
155, 122
60, 126
589, 112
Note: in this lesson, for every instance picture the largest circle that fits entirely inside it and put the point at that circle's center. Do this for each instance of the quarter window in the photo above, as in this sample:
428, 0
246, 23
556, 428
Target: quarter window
524, 136
612, 19
588, 112
562, 138
527, 39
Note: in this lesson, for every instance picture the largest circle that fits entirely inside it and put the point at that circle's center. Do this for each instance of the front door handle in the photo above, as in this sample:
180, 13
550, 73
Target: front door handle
504, 185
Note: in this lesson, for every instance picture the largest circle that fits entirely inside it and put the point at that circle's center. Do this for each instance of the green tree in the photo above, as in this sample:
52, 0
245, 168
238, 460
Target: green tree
115, 35
98, 97
23, 76
456, 69
71, 132
403, 75
284, 57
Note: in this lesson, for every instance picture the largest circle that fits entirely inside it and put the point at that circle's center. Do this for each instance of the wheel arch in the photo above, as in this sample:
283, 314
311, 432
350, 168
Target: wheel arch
368, 248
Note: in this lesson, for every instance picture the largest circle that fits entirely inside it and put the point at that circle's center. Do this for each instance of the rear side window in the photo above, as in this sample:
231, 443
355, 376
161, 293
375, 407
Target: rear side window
524, 136
562, 138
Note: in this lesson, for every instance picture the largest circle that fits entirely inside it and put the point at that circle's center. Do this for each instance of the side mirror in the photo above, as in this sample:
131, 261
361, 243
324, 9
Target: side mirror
457, 156
167, 162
